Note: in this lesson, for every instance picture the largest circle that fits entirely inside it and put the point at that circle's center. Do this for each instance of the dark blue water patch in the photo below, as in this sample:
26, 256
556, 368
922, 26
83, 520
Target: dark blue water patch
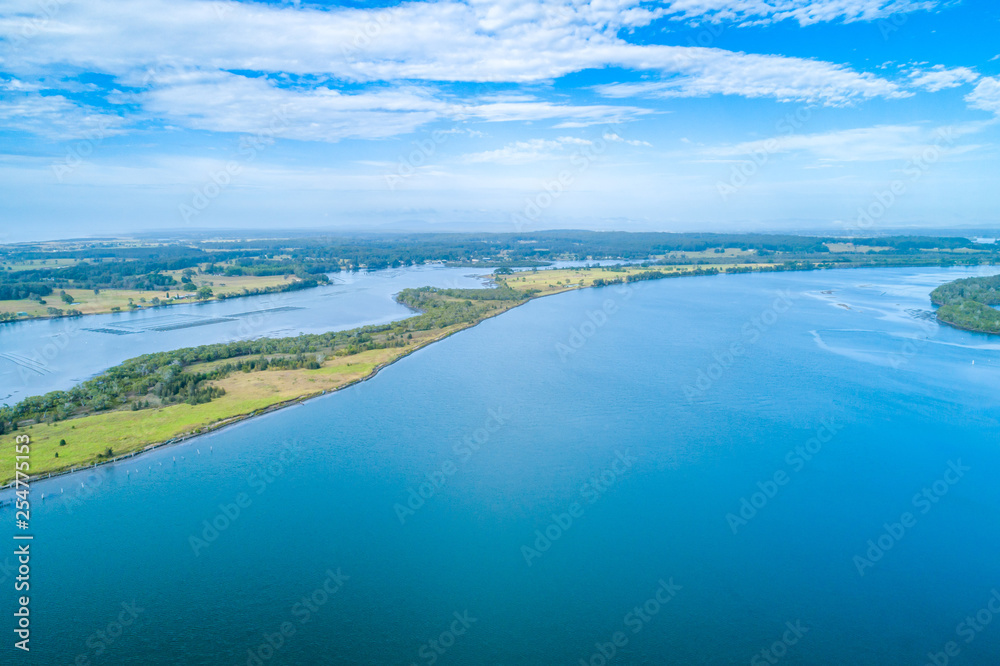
111, 331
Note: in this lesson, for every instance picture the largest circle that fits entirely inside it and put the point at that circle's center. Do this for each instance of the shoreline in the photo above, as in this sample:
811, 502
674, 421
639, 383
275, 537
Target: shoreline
143, 308
239, 418
945, 322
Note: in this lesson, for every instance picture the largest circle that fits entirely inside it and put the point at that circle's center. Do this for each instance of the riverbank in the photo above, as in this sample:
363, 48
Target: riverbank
85, 302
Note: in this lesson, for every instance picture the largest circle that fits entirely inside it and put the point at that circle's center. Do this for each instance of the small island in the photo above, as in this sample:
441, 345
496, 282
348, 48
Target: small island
967, 304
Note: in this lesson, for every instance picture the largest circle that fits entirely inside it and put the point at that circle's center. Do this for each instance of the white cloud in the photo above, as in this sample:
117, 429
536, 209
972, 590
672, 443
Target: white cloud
226, 102
434, 41
939, 77
986, 95
805, 12
613, 136
430, 42
698, 72
571, 115
532, 150
24, 107
866, 144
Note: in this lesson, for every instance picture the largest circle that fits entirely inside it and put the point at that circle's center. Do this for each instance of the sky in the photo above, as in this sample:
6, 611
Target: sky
831, 116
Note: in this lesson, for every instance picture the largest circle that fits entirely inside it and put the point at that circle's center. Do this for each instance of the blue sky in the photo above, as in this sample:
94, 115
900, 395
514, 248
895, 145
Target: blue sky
858, 116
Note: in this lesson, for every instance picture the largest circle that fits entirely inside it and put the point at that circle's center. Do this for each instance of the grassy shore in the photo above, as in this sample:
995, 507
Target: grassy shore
113, 300
88, 438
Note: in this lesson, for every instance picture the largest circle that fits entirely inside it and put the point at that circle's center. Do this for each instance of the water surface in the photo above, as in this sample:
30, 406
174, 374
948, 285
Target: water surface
635, 421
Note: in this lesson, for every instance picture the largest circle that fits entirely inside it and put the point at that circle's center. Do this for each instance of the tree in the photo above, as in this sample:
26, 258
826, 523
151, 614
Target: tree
204, 293
66, 298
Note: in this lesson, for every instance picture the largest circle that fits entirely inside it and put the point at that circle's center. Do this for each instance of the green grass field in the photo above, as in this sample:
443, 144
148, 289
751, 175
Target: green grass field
234, 284
87, 302
551, 281
126, 431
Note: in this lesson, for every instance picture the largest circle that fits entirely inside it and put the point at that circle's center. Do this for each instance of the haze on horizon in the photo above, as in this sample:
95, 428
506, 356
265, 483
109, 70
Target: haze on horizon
498, 115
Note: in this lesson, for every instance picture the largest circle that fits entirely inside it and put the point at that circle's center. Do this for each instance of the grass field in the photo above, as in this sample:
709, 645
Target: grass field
87, 302
126, 431
564, 279
34, 264
234, 284
840, 248
729, 253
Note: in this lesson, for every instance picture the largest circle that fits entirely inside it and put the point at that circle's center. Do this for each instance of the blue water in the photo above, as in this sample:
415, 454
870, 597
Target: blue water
54, 354
655, 400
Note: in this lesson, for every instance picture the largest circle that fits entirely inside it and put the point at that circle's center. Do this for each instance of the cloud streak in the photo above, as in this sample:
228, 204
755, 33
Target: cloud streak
229, 64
